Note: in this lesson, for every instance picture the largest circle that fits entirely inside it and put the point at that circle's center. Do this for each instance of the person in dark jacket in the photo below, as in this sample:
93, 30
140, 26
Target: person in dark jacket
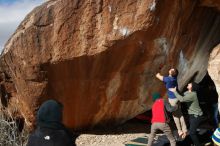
50, 131
160, 119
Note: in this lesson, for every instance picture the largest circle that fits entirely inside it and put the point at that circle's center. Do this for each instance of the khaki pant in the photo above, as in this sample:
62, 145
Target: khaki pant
178, 116
163, 127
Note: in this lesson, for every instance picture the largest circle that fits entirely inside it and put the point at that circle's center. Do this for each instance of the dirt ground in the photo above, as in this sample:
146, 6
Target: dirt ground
118, 136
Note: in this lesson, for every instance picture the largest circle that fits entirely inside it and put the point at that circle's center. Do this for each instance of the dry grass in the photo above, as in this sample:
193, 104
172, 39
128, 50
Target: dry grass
9, 133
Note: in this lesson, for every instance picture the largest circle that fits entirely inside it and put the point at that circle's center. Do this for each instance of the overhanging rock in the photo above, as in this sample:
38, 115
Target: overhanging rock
99, 58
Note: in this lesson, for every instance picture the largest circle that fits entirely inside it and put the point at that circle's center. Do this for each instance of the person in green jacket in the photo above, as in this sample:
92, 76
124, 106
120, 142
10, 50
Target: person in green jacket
194, 110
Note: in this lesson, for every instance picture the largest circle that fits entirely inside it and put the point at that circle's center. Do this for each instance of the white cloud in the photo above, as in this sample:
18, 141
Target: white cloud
11, 15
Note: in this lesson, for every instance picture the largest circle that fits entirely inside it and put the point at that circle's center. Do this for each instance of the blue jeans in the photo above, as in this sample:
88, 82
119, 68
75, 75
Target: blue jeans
215, 114
194, 124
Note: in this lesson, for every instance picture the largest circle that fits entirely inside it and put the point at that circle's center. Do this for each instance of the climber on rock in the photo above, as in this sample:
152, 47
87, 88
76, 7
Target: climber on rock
160, 119
171, 82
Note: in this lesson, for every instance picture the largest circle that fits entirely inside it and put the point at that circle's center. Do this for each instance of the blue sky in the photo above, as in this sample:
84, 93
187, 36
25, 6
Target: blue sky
12, 12
7, 1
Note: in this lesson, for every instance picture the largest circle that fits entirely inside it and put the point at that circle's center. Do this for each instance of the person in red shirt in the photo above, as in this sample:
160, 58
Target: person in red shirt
160, 119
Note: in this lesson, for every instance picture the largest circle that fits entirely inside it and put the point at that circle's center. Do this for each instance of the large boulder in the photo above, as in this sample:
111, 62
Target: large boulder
99, 58
211, 3
214, 68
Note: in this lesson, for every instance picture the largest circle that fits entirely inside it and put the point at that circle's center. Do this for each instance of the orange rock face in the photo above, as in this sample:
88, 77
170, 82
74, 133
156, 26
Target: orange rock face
211, 3
99, 58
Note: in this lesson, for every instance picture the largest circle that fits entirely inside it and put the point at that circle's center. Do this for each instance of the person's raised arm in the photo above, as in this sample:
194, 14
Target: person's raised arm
159, 76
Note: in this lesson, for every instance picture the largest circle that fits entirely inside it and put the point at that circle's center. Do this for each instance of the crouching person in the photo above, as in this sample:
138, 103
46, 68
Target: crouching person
160, 119
50, 131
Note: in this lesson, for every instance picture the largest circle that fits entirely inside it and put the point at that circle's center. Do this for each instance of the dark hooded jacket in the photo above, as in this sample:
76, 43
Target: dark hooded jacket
50, 131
